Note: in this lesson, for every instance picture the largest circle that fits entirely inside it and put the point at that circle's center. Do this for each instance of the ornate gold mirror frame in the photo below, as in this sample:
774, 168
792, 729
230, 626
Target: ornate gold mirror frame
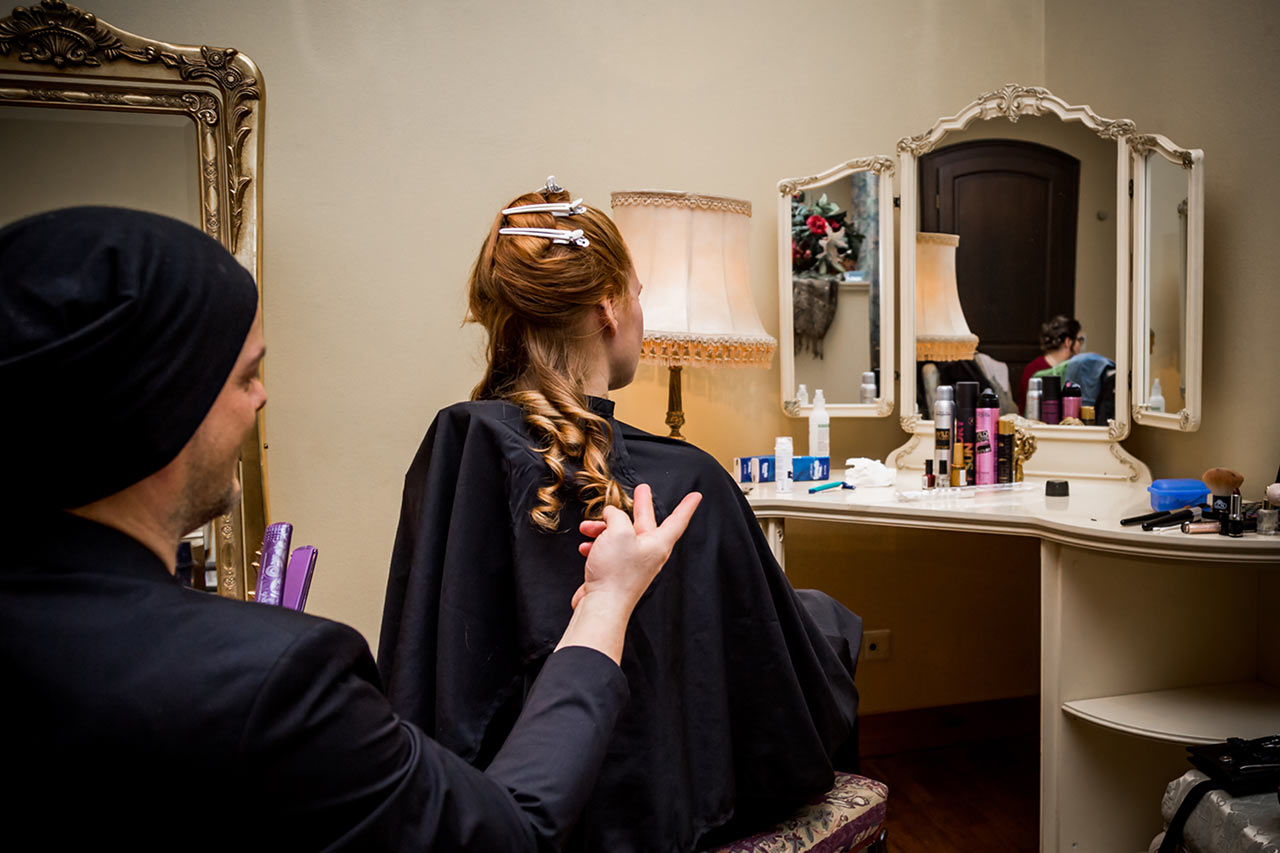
54, 55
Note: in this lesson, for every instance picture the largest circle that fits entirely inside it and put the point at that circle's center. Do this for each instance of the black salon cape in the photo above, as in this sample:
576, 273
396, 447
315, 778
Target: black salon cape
144, 716
738, 699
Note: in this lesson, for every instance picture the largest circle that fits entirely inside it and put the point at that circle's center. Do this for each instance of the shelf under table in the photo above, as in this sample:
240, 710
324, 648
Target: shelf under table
1206, 714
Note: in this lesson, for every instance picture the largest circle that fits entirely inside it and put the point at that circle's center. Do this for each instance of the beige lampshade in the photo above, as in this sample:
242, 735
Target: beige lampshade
942, 334
690, 253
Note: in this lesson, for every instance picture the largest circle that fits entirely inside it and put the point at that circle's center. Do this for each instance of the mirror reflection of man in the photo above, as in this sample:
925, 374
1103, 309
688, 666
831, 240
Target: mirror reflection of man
140, 711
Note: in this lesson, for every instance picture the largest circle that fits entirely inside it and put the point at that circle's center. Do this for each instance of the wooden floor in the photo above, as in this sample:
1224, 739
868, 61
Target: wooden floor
980, 797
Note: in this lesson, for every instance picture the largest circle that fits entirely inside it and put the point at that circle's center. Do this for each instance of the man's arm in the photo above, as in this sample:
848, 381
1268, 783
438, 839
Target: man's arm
344, 769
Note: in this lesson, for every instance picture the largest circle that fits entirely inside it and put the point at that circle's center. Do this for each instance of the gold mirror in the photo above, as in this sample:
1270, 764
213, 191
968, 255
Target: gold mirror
91, 114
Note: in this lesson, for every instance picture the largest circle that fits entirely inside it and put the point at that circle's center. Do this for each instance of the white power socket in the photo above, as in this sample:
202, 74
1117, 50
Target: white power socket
875, 644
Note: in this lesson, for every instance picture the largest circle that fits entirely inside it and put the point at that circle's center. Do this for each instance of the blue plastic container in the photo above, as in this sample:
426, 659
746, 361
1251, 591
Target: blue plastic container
1175, 494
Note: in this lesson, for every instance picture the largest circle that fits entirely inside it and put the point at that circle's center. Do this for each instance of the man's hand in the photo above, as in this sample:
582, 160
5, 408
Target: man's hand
622, 560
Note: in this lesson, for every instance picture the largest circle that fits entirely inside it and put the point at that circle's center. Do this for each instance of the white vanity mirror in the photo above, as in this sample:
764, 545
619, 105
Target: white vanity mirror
1168, 232
836, 289
1039, 192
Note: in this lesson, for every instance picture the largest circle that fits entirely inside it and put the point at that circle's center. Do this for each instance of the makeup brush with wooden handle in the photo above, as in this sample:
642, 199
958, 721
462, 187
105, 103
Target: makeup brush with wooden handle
1222, 483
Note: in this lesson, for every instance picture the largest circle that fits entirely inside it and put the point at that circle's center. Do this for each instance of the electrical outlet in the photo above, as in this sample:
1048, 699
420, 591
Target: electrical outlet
875, 644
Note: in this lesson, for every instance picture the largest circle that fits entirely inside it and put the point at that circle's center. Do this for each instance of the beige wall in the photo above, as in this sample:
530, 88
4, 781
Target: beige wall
395, 131
1207, 75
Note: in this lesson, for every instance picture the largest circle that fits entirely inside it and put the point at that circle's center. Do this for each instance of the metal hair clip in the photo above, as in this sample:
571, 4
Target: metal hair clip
557, 208
555, 235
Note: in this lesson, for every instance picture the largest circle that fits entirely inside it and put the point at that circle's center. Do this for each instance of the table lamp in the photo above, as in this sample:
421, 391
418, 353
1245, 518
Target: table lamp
690, 252
942, 334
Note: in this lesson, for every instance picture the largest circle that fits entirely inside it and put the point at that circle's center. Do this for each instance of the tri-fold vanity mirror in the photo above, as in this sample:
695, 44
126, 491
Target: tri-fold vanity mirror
91, 114
1058, 211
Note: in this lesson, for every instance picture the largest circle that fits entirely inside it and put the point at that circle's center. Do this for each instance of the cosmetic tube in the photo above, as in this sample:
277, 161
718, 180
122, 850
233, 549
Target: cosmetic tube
867, 393
1201, 527
984, 438
966, 419
943, 413
1071, 401
1234, 524
1031, 411
782, 454
1051, 400
1004, 453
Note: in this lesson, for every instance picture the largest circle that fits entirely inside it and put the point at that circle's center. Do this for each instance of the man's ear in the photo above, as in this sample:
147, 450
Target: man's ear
609, 316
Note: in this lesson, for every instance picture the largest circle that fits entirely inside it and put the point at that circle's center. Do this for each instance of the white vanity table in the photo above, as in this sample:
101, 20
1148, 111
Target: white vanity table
1148, 640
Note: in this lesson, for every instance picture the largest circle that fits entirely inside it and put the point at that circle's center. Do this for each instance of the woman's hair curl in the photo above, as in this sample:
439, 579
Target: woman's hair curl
531, 296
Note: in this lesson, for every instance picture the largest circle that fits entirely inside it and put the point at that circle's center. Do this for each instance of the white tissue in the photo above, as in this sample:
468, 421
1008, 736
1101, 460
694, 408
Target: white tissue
861, 471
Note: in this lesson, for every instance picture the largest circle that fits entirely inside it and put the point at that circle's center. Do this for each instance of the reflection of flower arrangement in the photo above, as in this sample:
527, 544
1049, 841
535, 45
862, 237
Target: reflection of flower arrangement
821, 241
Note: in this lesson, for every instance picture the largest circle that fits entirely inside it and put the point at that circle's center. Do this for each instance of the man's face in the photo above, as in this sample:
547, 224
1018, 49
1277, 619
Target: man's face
212, 456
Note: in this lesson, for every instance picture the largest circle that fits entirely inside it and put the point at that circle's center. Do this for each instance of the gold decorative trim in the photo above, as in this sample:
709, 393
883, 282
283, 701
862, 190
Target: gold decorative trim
663, 198
1118, 452
946, 348
905, 451
1188, 422
910, 422
878, 165
66, 37
937, 239
1116, 430
680, 348
1145, 142
1012, 101
884, 408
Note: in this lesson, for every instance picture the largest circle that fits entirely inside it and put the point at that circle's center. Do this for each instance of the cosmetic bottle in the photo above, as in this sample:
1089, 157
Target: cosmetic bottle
1155, 401
1267, 519
943, 480
1034, 393
819, 426
802, 395
943, 413
1051, 399
927, 481
782, 454
868, 390
1088, 415
1234, 525
1004, 453
1071, 401
966, 423
984, 438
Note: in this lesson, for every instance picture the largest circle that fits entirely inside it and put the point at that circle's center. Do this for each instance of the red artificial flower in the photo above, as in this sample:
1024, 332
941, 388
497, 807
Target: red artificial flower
816, 224
835, 226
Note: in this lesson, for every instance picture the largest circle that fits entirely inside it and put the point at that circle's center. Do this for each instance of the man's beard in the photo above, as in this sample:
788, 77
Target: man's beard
209, 493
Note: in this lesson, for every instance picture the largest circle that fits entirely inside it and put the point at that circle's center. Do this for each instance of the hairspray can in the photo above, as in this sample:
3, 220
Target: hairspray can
943, 415
1004, 453
1072, 398
984, 438
1034, 394
966, 417
1051, 401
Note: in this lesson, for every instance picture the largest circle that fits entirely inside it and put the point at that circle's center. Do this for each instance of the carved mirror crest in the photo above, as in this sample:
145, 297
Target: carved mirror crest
115, 114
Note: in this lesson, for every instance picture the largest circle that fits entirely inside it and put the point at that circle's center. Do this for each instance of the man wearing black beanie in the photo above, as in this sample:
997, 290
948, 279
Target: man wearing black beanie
141, 712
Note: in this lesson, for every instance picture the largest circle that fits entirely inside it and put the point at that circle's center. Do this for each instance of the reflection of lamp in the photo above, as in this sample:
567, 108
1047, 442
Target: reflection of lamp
690, 253
941, 331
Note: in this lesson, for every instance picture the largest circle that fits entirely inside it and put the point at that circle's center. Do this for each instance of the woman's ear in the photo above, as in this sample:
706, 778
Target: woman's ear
609, 316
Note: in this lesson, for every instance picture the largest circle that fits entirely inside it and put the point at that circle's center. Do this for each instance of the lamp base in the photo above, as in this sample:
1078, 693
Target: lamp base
675, 407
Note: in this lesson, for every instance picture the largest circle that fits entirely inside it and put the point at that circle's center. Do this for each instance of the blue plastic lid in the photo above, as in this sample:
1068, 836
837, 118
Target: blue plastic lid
1178, 488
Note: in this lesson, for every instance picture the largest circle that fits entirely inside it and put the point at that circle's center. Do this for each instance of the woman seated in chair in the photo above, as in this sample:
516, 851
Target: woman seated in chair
742, 696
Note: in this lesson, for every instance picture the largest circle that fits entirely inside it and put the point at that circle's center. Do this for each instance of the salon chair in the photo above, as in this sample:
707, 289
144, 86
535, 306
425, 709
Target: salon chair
849, 817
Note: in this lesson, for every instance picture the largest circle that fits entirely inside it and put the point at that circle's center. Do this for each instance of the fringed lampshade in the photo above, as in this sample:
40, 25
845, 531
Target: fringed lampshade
942, 334
690, 253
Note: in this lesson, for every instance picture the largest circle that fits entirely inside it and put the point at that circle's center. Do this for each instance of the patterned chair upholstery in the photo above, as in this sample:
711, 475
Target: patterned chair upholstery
849, 817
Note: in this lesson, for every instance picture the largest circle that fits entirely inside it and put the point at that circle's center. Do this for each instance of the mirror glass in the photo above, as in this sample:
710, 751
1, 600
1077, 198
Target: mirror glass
1165, 246
1033, 203
835, 286
74, 157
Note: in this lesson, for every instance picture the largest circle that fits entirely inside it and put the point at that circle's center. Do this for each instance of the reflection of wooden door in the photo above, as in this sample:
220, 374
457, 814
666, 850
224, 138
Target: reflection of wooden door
1014, 206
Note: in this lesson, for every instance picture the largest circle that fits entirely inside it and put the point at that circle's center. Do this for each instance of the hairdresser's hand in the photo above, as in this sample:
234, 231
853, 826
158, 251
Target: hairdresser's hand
622, 560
